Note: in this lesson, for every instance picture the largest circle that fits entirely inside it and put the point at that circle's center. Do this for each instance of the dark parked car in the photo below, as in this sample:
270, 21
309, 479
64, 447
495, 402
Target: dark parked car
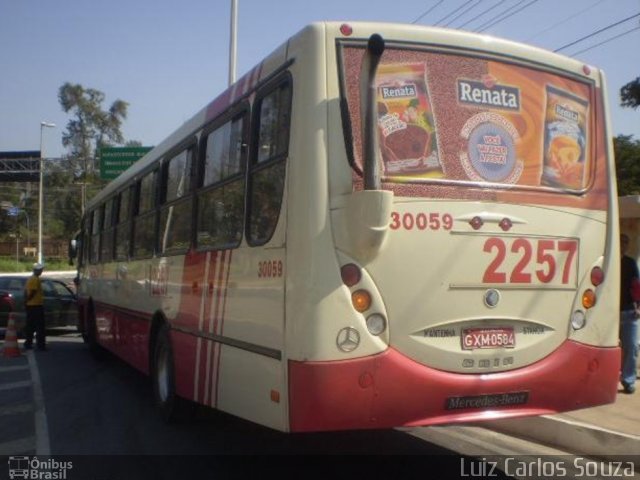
60, 302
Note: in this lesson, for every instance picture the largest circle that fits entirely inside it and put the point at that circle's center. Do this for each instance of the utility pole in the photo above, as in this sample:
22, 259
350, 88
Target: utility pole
233, 42
43, 125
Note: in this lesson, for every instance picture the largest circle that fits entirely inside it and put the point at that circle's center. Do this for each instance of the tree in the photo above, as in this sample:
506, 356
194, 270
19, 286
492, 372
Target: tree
630, 94
627, 153
91, 127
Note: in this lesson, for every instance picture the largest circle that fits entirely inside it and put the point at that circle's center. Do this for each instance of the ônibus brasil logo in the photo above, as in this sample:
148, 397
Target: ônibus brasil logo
36, 469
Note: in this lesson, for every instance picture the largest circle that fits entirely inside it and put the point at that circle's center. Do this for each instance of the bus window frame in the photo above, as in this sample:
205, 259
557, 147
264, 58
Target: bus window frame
241, 110
80, 236
151, 212
86, 232
97, 216
107, 230
253, 166
190, 143
126, 223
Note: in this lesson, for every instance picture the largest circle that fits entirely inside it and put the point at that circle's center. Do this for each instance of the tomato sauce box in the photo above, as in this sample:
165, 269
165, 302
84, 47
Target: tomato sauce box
565, 140
405, 120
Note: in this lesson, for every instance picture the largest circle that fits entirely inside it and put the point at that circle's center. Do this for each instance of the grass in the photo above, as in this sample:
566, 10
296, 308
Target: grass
9, 265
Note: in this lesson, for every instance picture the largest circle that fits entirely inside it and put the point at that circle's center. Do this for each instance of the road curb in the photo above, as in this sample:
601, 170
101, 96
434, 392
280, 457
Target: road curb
571, 436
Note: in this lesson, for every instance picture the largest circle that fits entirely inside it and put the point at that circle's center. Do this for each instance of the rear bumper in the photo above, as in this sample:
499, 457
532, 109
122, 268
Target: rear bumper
391, 390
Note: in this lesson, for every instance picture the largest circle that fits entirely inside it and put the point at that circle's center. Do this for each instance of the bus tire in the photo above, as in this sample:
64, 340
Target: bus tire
85, 330
91, 336
170, 405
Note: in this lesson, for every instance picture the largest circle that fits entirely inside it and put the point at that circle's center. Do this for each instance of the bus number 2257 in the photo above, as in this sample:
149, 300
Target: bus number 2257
536, 260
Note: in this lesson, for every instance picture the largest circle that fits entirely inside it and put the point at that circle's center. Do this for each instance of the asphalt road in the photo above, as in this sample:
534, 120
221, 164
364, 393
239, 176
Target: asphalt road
105, 407
100, 416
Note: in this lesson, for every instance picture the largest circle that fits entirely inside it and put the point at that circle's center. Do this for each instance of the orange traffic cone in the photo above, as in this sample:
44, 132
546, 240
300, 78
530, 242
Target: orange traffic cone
11, 339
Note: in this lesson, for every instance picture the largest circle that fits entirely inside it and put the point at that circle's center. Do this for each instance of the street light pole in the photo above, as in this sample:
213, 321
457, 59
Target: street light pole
43, 125
233, 41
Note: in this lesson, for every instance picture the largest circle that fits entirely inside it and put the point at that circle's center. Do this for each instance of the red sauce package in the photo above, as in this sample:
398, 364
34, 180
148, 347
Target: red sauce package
405, 120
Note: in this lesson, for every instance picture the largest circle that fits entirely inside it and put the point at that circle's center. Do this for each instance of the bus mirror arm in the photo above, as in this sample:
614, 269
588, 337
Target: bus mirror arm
369, 112
369, 211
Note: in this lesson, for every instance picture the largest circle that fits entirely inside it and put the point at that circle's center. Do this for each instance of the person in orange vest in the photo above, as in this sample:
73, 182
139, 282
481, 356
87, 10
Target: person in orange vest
34, 304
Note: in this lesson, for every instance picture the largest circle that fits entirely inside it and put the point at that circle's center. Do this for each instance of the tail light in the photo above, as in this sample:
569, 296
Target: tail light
578, 320
361, 300
350, 274
597, 276
588, 298
376, 324
6, 302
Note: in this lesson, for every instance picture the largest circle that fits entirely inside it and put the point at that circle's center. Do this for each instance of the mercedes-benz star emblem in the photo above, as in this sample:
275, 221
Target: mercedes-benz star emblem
348, 339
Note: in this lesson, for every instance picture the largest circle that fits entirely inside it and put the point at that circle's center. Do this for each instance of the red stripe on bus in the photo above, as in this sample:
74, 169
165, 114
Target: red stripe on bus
245, 81
208, 326
216, 319
219, 105
216, 313
221, 330
192, 305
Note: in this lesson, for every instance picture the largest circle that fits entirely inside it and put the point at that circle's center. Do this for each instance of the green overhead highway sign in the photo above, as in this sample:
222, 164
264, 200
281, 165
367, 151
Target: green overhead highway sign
115, 160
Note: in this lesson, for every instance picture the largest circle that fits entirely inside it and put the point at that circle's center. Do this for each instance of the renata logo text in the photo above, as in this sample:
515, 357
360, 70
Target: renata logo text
564, 112
398, 91
494, 96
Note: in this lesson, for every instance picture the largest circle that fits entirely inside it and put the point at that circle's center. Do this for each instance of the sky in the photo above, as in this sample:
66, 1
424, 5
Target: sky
168, 59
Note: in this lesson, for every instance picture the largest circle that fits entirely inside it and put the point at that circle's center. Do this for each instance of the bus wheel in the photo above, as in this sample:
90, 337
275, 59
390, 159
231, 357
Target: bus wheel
83, 324
91, 335
170, 405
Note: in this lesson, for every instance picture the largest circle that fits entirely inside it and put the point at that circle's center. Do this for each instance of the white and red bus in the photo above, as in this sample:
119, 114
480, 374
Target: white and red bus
379, 225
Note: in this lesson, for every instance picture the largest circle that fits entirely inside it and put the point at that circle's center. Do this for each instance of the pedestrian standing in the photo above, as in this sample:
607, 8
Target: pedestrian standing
629, 313
34, 305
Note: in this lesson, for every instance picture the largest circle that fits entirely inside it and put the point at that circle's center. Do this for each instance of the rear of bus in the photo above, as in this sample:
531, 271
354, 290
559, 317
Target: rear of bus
480, 280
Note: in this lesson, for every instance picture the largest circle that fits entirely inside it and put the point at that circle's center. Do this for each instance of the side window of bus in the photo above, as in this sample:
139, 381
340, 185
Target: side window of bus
96, 227
267, 169
175, 214
106, 236
221, 198
144, 223
123, 224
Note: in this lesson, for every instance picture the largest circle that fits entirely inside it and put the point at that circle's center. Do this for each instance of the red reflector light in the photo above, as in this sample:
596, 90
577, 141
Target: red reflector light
597, 276
586, 69
476, 223
346, 29
505, 224
275, 396
350, 274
